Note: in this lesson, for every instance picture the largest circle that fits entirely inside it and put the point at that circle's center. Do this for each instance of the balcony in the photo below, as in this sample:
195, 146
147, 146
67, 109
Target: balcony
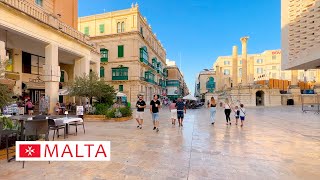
148, 80
174, 83
119, 78
46, 18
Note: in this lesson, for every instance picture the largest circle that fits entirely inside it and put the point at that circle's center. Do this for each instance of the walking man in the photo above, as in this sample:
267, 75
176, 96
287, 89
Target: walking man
181, 109
154, 109
140, 111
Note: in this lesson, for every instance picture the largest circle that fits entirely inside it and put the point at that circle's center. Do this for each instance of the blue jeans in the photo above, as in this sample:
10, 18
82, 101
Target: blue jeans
155, 116
212, 114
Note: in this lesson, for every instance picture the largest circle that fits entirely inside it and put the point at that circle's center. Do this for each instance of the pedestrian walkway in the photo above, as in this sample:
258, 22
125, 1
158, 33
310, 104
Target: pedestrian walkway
275, 143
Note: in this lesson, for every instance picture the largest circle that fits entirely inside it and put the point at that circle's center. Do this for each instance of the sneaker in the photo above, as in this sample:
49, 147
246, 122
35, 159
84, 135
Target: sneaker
154, 128
157, 129
181, 125
212, 123
230, 124
138, 126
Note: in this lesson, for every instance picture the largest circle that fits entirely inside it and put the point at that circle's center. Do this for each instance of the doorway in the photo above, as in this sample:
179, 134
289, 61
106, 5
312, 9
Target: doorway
260, 98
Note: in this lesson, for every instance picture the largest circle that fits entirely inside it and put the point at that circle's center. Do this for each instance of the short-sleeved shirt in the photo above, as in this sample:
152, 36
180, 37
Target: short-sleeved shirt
180, 106
153, 105
141, 103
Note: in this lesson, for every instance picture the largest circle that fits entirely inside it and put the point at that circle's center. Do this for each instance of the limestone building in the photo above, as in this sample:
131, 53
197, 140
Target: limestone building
44, 49
206, 83
175, 84
300, 27
133, 60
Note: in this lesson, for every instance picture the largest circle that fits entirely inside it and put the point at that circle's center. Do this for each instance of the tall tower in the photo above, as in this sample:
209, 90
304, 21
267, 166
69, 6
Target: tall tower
234, 66
244, 60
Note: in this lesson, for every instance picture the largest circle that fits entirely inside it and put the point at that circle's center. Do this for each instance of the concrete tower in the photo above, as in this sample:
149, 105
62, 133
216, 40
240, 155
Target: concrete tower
244, 60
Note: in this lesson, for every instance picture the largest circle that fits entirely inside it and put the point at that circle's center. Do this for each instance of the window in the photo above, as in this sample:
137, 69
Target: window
104, 55
144, 55
101, 28
141, 31
120, 73
26, 63
240, 71
121, 88
240, 61
122, 27
226, 72
154, 62
39, 2
274, 67
274, 57
102, 72
259, 70
86, 30
118, 27
259, 61
226, 62
62, 76
120, 51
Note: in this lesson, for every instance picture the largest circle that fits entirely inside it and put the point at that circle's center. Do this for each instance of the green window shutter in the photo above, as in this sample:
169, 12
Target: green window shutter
39, 2
86, 30
62, 76
104, 55
121, 88
101, 28
120, 51
102, 72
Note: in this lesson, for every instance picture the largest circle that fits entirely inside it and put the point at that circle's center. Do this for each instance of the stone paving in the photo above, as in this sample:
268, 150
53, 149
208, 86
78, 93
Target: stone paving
275, 143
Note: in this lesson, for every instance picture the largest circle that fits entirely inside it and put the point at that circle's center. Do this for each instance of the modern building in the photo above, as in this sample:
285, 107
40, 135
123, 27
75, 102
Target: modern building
263, 67
44, 49
300, 27
133, 60
205, 84
175, 83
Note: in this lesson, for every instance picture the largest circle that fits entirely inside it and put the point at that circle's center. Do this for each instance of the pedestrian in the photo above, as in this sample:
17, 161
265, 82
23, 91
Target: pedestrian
57, 108
140, 111
237, 114
227, 111
181, 110
212, 105
173, 111
29, 107
42, 107
155, 105
242, 114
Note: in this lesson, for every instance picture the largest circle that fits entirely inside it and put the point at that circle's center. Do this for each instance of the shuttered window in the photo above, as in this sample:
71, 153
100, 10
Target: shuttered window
120, 51
101, 28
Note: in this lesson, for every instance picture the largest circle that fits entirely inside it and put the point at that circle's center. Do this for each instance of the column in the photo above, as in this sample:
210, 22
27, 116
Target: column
294, 78
234, 66
52, 75
82, 66
244, 60
317, 84
251, 70
3, 57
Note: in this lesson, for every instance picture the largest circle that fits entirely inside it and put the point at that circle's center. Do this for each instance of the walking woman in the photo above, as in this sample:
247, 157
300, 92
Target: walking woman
227, 111
212, 105
173, 111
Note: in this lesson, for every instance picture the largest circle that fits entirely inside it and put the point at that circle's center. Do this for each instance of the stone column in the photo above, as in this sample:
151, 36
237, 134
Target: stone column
218, 78
251, 70
52, 75
244, 60
234, 66
317, 84
294, 78
82, 66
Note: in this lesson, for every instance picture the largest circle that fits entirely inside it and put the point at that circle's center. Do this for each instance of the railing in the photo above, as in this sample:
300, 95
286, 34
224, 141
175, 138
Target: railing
119, 78
41, 15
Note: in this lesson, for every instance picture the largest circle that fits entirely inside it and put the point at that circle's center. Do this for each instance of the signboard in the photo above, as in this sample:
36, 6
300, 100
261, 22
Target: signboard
79, 111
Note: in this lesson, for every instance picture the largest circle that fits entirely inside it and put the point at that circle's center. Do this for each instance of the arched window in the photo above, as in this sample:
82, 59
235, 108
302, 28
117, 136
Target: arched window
118, 27
122, 27
102, 72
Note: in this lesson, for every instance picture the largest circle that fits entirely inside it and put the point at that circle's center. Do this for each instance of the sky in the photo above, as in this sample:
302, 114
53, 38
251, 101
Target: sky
202, 30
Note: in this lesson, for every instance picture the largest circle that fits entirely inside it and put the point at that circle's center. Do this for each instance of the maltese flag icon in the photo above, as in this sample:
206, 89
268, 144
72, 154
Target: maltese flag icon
29, 150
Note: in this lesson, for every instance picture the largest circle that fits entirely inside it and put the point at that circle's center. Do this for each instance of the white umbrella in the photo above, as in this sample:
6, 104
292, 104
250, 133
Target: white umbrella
190, 97
119, 94
63, 92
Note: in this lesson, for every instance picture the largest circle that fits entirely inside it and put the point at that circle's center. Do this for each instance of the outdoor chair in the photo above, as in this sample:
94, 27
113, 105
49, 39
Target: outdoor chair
78, 123
36, 128
7, 134
55, 127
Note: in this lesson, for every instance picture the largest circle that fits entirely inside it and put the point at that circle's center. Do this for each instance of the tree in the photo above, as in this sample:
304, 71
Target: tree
5, 93
89, 86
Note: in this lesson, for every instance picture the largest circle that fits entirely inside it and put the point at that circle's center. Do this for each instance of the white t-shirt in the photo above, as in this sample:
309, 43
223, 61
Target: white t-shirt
226, 106
242, 112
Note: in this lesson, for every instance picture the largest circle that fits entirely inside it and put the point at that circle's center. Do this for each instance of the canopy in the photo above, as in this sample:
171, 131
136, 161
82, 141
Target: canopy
190, 97
119, 94
63, 92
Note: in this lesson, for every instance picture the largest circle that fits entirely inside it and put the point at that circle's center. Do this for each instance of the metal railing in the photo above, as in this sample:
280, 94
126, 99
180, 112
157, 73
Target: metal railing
41, 15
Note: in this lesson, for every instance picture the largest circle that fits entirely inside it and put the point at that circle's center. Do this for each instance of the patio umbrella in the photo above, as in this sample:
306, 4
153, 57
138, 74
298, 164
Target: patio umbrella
63, 92
119, 94
190, 97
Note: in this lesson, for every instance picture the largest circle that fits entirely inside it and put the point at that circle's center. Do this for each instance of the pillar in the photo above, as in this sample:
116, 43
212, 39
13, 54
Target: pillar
294, 78
244, 60
251, 70
3, 57
52, 75
234, 66
81, 68
317, 84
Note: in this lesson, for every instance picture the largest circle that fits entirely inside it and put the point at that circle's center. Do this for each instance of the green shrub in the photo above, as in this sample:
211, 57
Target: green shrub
126, 111
111, 113
101, 109
8, 123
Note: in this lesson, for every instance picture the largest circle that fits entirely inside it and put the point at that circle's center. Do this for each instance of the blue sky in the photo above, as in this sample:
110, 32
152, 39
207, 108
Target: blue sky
202, 30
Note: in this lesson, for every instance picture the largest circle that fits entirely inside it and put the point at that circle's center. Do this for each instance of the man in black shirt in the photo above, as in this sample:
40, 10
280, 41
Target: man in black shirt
154, 109
140, 111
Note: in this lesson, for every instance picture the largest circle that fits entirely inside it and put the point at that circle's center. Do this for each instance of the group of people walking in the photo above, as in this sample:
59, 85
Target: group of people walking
178, 109
239, 113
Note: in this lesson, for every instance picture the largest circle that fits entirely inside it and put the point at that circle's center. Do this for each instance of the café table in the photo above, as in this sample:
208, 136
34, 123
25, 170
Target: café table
66, 121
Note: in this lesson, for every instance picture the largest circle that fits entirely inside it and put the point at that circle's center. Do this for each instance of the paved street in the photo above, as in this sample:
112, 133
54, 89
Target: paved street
275, 143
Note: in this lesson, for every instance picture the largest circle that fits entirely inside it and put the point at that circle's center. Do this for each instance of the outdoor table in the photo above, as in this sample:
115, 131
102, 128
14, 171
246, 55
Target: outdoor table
66, 121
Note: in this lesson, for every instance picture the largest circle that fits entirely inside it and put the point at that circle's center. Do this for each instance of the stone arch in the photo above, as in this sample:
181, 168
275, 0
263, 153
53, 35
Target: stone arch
260, 98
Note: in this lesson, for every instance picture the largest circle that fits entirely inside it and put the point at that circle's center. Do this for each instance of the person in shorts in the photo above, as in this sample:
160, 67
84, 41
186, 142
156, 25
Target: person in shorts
181, 109
140, 111
173, 111
237, 114
242, 114
154, 109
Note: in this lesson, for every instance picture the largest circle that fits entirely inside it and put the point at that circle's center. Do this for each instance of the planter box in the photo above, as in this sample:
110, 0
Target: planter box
120, 119
94, 118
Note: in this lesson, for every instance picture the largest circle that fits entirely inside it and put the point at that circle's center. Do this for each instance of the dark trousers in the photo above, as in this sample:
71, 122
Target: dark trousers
227, 112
